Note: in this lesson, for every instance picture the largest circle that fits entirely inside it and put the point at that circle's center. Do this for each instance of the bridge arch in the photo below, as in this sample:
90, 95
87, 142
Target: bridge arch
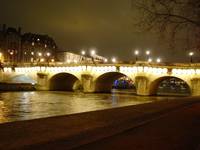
64, 82
104, 82
154, 85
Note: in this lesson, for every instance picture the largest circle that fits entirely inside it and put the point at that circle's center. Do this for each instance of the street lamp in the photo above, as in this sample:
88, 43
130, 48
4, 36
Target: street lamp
150, 60
158, 60
52, 60
39, 54
105, 60
83, 52
114, 60
191, 54
92, 52
48, 54
136, 54
42, 60
148, 53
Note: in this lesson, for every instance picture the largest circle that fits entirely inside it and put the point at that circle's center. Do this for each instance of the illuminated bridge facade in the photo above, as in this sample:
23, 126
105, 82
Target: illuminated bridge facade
99, 78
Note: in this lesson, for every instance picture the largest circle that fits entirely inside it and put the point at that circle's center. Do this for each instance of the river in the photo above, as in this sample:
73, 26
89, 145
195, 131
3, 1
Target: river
15, 106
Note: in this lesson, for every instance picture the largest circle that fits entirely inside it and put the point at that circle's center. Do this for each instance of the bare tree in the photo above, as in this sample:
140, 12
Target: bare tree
172, 17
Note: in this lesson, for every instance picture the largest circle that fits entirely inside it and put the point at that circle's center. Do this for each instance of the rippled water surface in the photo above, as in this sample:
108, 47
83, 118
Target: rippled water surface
29, 105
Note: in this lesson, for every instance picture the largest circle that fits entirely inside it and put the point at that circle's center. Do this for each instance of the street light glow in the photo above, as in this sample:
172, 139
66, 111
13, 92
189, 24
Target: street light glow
114, 60
105, 60
11, 53
150, 60
93, 52
83, 52
148, 52
136, 52
40, 54
191, 53
42, 60
48, 54
158, 60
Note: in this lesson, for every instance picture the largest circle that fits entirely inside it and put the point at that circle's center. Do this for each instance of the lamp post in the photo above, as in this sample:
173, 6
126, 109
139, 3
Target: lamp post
93, 53
105, 60
148, 52
191, 54
136, 55
83, 53
158, 60
40, 55
48, 55
114, 60
149, 60
11, 56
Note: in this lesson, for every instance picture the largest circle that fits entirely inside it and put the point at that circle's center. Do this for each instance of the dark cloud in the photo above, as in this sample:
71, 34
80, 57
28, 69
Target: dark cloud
75, 24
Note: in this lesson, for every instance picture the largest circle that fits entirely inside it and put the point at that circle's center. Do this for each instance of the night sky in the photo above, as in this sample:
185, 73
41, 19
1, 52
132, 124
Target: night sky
107, 25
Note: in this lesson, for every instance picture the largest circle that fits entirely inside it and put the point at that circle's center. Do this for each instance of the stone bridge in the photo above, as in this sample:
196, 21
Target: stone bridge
100, 77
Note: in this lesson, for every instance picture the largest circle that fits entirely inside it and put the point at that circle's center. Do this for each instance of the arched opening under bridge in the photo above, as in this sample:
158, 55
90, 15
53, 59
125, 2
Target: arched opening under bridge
170, 86
64, 82
114, 82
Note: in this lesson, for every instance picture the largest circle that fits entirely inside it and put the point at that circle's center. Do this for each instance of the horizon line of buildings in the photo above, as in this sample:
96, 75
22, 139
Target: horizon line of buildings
17, 47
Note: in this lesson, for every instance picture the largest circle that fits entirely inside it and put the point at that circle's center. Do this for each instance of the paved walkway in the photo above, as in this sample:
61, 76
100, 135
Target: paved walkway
170, 124
178, 130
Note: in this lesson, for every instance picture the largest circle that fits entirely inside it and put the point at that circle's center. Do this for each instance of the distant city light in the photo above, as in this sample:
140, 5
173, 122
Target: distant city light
83, 52
32, 53
148, 52
158, 60
11, 53
42, 60
150, 60
136, 52
68, 61
48, 54
93, 52
40, 54
191, 53
114, 60
105, 60
52, 60
32, 43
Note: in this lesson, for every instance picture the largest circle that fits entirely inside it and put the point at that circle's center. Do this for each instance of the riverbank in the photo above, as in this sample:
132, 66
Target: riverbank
72, 131
4, 86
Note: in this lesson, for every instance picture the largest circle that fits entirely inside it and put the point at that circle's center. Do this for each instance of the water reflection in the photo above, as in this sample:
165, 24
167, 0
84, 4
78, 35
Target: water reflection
29, 105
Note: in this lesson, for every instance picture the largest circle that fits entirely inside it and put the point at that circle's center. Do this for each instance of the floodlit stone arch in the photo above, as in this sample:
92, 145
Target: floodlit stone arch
64, 82
104, 82
155, 84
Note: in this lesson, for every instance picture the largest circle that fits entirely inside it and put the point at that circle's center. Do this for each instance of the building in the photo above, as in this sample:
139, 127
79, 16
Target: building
69, 57
10, 44
38, 48
16, 47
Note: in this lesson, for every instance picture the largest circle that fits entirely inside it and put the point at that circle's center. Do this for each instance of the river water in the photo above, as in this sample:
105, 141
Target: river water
15, 106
